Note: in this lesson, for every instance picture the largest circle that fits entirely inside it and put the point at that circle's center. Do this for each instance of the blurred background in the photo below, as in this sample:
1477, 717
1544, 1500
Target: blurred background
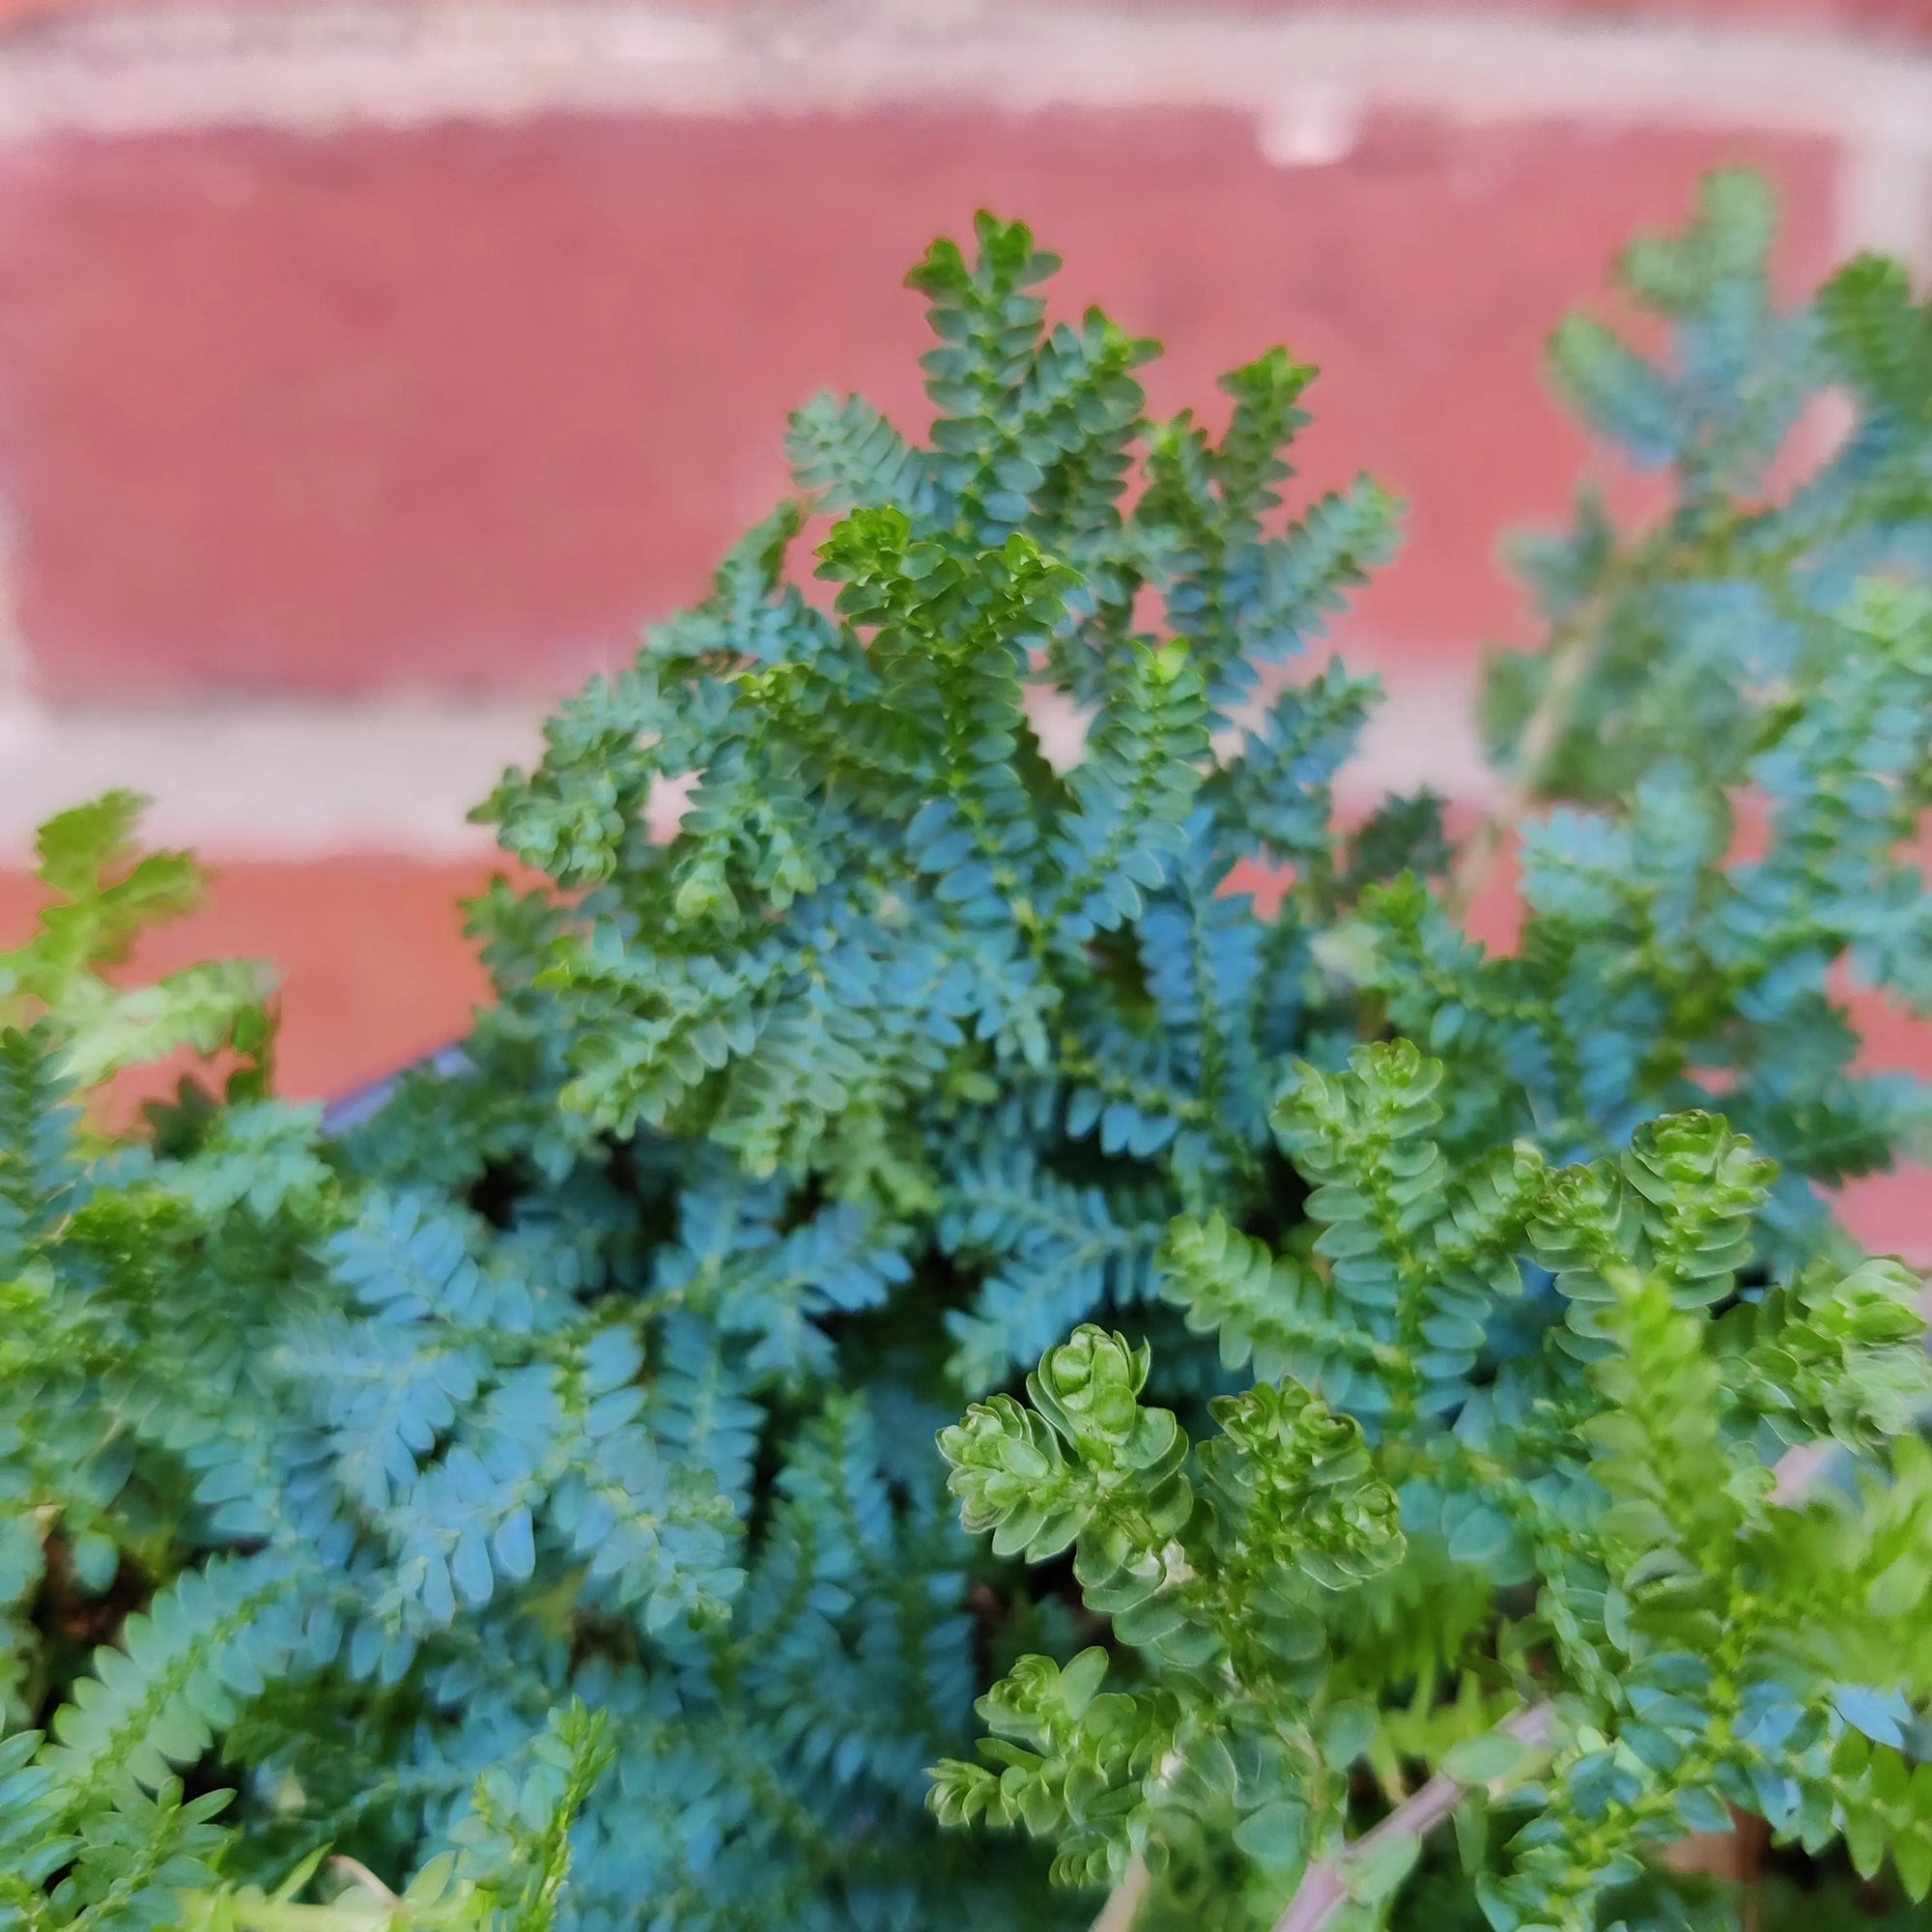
369, 372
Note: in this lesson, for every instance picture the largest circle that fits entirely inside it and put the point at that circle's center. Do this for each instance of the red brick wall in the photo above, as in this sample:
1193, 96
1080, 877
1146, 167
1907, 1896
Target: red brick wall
427, 379
461, 405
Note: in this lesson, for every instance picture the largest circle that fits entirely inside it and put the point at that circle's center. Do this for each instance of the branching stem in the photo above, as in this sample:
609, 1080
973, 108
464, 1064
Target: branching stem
1125, 1900
1569, 659
1324, 1885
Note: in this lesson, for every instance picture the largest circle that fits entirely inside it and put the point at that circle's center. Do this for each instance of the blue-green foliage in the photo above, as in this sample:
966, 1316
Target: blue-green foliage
467, 1495
522, 1495
1565, 1343
1740, 728
1658, 968
1687, 1638
892, 954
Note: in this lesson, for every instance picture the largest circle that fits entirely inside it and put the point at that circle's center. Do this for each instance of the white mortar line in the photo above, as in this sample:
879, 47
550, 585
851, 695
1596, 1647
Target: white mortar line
290, 780
356, 64
281, 780
1885, 198
294, 781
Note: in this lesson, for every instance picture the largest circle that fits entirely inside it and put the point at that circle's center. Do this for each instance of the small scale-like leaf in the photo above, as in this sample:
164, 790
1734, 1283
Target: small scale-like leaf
1374, 1869
1485, 1759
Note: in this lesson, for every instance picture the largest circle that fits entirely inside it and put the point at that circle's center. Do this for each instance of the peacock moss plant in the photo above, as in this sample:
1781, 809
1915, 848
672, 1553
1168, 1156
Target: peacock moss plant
519, 1509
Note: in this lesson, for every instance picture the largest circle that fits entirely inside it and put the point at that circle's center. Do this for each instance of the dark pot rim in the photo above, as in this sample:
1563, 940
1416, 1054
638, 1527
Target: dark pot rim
349, 1111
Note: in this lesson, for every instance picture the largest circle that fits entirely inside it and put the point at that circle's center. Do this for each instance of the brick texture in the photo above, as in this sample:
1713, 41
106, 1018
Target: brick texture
376, 973
374, 969
450, 409
458, 405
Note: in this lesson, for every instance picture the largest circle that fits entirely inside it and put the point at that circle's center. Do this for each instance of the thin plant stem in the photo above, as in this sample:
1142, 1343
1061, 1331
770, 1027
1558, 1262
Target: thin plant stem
1523, 780
1125, 1901
1324, 1885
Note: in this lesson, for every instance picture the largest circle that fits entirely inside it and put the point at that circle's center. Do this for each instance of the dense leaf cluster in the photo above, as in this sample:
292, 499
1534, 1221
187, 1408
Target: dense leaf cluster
522, 1493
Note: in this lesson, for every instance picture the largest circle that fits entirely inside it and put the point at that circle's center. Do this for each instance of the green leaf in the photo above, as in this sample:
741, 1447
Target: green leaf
1344, 1732
1485, 1759
1471, 1821
1276, 1833
1480, 1537
1374, 1869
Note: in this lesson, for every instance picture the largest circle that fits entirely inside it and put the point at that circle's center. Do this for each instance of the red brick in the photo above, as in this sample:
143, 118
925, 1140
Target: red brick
1891, 1213
376, 973
461, 405
374, 966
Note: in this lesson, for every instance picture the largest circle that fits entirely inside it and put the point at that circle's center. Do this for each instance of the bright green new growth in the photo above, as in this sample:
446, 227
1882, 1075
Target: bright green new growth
1613, 1493
521, 1495
1600, 1481
101, 894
